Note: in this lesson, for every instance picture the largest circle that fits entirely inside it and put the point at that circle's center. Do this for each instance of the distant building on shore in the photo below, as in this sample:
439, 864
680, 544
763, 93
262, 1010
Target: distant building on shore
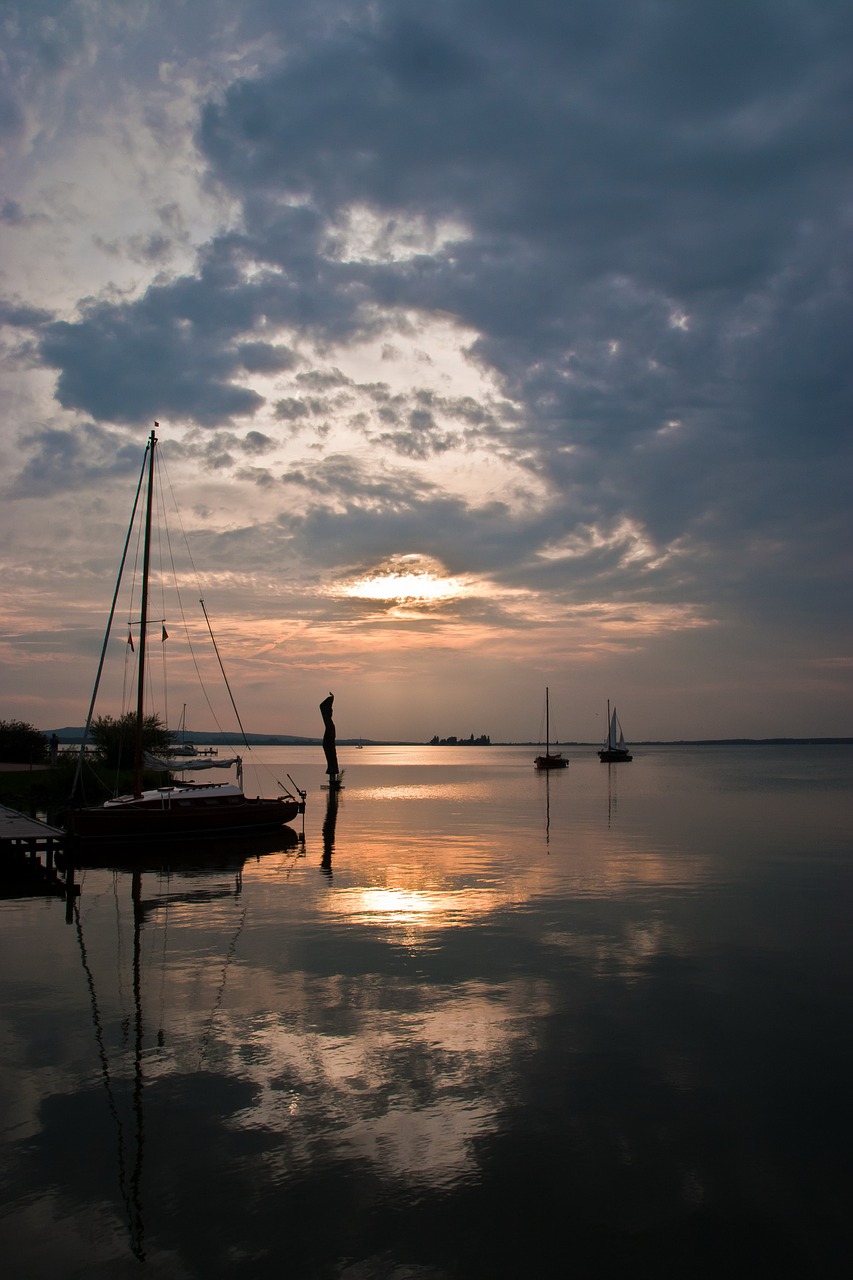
483, 741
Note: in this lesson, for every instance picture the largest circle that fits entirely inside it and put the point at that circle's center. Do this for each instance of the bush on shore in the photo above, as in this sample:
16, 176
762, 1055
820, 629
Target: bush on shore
21, 743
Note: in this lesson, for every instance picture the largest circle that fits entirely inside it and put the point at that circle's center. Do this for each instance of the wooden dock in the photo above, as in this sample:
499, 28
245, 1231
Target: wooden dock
24, 841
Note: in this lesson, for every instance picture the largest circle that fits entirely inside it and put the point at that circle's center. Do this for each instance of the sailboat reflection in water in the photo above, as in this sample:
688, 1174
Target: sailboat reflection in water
141, 1072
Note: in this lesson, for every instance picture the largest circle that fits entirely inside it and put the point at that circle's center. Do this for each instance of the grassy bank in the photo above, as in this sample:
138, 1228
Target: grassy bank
47, 790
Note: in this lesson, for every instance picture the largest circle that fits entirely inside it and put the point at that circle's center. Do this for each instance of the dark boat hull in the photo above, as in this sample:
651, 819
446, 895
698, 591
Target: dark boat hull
550, 762
608, 756
185, 820
215, 852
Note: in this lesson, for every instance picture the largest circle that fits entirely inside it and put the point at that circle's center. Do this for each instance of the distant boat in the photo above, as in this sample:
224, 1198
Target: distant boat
178, 810
551, 759
614, 749
184, 747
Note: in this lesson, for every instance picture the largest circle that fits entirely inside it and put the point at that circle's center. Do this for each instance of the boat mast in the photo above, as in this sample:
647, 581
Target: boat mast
547, 725
143, 622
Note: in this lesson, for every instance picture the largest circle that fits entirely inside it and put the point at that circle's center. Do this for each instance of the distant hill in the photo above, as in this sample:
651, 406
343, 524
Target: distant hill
69, 736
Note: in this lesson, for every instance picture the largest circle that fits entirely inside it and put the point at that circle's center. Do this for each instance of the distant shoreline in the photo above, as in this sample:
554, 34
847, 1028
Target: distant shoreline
74, 736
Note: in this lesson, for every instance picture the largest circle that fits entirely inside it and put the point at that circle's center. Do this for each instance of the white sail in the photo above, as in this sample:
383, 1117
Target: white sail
614, 748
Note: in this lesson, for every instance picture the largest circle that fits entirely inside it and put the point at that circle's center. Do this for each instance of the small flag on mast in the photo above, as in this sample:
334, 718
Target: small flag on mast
130, 640
164, 636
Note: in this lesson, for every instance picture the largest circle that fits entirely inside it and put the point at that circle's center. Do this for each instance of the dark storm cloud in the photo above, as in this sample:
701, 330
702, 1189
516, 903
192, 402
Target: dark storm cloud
58, 461
20, 316
264, 357
175, 351
652, 243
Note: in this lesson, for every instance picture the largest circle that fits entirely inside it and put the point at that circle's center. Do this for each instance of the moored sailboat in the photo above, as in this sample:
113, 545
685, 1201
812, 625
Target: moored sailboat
551, 759
178, 810
614, 750
184, 747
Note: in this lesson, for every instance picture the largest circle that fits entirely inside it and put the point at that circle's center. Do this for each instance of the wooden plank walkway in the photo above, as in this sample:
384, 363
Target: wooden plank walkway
24, 841
16, 828
24, 837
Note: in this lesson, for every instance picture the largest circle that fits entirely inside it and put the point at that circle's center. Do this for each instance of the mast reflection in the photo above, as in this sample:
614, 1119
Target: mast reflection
125, 1077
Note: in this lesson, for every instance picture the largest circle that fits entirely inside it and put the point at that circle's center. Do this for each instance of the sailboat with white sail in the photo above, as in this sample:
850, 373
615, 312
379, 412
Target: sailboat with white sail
614, 750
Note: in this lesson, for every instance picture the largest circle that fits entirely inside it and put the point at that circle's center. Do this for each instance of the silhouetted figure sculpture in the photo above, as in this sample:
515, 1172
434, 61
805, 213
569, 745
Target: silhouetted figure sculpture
329, 747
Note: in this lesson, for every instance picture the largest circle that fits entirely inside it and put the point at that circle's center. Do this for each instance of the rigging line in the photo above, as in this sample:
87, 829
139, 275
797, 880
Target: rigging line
162, 464
132, 658
105, 1071
119, 945
224, 676
163, 470
161, 524
186, 628
139, 1031
160, 1033
205, 1040
76, 781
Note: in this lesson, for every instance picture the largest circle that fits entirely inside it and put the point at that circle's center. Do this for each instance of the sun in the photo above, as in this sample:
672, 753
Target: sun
412, 579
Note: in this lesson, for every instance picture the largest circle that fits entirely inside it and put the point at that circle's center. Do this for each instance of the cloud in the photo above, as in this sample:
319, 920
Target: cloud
558, 295
59, 461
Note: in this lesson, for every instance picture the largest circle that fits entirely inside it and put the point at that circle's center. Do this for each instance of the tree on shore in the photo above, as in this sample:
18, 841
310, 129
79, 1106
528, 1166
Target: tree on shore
21, 743
114, 738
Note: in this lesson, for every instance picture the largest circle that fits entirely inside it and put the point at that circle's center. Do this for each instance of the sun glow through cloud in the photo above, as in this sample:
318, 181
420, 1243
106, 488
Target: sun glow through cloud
411, 579
406, 586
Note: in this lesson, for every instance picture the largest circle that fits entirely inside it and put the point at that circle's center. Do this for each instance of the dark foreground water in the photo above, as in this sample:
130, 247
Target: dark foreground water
482, 1023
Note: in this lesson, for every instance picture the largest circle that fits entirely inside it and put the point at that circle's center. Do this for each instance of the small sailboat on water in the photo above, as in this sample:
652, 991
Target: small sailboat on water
551, 759
184, 747
614, 750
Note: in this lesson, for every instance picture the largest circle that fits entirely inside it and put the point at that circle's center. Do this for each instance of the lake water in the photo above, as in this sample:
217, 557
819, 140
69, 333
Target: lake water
482, 1022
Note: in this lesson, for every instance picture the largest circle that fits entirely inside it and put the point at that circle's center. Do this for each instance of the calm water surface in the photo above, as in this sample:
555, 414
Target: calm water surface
479, 1023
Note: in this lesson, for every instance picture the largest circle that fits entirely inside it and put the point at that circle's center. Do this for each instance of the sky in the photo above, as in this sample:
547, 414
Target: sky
494, 347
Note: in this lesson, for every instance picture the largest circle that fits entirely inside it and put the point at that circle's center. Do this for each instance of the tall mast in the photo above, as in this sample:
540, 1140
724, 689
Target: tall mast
143, 621
547, 724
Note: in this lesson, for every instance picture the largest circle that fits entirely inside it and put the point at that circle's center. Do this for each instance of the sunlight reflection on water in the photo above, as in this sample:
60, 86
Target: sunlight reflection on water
470, 993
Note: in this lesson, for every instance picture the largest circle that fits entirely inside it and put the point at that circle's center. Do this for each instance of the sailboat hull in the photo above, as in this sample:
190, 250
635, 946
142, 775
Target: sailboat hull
550, 762
612, 755
180, 818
